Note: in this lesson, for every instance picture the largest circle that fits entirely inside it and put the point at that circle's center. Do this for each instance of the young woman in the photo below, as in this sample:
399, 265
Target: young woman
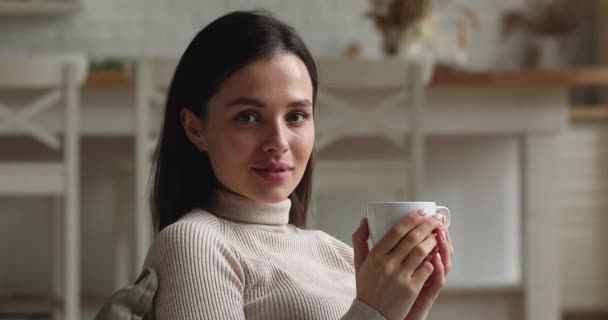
232, 186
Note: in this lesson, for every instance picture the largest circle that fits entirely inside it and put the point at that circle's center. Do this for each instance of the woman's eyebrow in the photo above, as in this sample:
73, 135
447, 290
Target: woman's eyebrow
247, 102
244, 101
300, 103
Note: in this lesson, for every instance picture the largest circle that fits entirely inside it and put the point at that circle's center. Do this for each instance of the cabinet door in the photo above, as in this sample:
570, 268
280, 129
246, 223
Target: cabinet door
584, 217
479, 180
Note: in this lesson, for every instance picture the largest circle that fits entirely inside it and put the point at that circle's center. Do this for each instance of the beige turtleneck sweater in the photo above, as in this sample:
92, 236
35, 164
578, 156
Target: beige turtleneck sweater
241, 259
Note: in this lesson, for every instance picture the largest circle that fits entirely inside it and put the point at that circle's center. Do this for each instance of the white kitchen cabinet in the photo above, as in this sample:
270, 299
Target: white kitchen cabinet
583, 173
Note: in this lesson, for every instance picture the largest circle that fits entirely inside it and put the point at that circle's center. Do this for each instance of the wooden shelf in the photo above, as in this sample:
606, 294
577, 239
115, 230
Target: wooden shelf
26, 303
445, 77
448, 77
107, 78
585, 315
567, 77
589, 113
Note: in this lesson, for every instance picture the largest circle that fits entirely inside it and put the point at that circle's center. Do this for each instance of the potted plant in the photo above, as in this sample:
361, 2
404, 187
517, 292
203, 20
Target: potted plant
411, 29
545, 23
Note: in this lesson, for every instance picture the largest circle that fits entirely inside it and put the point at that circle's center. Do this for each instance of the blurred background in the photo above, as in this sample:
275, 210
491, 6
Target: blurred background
495, 108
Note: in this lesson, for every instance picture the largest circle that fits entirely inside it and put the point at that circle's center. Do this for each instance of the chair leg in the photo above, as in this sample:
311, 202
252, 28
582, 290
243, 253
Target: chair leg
57, 255
122, 196
71, 270
142, 220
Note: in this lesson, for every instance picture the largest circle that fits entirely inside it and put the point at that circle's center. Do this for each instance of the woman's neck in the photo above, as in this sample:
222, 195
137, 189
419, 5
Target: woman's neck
235, 207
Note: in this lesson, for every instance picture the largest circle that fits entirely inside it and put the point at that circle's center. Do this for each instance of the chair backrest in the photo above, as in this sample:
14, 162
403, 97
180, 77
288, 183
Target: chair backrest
365, 74
381, 98
152, 80
59, 78
37, 71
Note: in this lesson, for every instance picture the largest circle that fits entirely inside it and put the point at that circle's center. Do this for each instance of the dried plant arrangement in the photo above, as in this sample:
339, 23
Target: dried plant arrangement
402, 22
546, 17
548, 27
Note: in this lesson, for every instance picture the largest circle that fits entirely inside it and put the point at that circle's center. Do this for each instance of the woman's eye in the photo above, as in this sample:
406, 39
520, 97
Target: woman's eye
298, 116
249, 117
245, 117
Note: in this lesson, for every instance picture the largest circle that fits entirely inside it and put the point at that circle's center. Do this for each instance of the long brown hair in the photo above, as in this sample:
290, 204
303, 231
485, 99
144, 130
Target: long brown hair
182, 176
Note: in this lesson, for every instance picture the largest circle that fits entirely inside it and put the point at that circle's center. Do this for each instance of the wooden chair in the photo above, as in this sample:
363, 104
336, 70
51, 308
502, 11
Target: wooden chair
152, 79
59, 78
358, 100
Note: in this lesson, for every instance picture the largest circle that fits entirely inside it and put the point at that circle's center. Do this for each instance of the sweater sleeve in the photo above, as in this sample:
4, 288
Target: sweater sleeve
199, 276
360, 310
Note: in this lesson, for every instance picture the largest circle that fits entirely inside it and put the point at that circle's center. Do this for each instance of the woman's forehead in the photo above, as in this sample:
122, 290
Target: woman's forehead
281, 68
282, 76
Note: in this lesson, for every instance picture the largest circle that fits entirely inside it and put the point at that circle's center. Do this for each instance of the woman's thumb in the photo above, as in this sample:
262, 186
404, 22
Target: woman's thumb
360, 247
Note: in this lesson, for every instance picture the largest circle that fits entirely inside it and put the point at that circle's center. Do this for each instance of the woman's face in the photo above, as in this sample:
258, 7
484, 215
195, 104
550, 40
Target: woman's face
259, 132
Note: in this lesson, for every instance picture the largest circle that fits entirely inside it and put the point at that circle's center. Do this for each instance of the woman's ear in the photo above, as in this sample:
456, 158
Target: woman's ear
193, 127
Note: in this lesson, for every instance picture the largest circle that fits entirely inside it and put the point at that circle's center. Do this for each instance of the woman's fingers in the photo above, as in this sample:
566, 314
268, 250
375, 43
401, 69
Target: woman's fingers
398, 265
445, 249
414, 238
419, 254
397, 232
437, 280
360, 248
423, 272
449, 237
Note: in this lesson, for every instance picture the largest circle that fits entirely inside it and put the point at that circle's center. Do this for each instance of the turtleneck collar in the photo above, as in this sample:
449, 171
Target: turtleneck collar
236, 207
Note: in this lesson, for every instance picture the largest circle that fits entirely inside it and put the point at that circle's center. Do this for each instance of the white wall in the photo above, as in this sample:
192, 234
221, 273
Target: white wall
130, 28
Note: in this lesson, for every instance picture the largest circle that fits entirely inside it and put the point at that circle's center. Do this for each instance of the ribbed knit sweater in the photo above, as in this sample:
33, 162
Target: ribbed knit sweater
240, 259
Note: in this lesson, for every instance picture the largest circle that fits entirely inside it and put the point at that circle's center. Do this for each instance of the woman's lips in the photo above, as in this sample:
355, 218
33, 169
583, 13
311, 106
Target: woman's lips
273, 176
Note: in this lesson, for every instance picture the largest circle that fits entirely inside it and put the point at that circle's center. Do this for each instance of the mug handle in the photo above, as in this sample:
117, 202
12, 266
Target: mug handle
446, 213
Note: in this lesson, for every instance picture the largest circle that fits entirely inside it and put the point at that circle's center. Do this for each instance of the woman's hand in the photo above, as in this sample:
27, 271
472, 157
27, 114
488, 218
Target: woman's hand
391, 276
442, 261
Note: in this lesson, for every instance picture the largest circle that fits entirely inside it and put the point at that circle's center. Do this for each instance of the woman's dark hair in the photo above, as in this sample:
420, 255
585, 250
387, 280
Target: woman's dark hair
183, 177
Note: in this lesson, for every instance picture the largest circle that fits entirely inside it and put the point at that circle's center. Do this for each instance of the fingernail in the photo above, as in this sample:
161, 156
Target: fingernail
363, 222
443, 235
438, 257
443, 219
438, 217
421, 212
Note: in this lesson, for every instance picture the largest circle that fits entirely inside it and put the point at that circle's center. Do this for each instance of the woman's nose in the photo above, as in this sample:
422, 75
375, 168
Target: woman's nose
276, 139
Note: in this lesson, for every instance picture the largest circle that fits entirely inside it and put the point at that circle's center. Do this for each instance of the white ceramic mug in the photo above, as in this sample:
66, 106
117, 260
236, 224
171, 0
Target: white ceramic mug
381, 216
